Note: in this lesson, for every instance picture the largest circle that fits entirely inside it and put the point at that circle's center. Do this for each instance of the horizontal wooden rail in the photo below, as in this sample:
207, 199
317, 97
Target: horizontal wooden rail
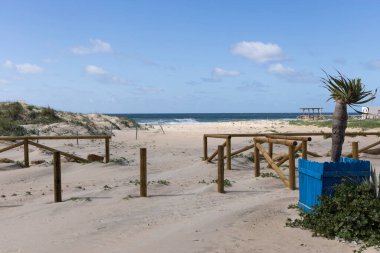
77, 158
276, 141
285, 137
71, 137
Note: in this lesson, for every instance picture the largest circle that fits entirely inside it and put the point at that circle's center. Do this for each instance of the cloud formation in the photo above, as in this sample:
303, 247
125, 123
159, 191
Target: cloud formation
94, 70
280, 69
225, 72
97, 46
258, 51
103, 76
23, 68
291, 74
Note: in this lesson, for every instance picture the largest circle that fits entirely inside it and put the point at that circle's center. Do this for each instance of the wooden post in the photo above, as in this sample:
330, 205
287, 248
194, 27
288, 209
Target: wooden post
107, 150
57, 177
26, 153
355, 150
205, 148
38, 134
143, 176
292, 169
136, 132
304, 149
228, 147
256, 157
270, 149
77, 138
221, 169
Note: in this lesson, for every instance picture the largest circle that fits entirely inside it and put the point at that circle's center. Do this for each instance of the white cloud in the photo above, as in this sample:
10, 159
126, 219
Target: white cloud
374, 64
280, 69
97, 46
24, 68
28, 68
225, 72
258, 51
103, 76
290, 74
94, 70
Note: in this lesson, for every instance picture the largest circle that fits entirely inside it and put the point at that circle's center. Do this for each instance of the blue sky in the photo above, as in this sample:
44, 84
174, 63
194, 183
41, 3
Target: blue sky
184, 56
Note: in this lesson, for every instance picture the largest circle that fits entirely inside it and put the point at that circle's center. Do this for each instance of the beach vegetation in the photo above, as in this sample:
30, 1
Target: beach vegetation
226, 182
351, 123
87, 199
14, 116
352, 214
120, 161
267, 174
11, 128
163, 182
345, 92
21, 164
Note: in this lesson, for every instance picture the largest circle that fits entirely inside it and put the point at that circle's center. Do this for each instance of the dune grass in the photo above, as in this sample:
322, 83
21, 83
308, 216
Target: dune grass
352, 123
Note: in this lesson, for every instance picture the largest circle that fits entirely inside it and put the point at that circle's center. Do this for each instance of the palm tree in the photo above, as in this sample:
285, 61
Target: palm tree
344, 91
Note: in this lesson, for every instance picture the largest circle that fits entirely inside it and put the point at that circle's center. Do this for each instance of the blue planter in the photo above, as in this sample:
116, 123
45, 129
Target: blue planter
317, 179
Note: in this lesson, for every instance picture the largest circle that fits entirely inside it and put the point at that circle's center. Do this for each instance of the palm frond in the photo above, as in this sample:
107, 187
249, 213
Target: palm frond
349, 91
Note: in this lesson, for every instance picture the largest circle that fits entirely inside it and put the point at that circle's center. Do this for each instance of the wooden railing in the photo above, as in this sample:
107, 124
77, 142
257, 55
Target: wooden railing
228, 143
29, 140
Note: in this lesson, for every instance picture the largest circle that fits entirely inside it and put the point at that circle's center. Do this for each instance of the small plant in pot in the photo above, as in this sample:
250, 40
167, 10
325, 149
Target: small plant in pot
316, 179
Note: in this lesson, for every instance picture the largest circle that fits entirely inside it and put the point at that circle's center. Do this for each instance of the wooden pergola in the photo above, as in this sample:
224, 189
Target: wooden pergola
311, 113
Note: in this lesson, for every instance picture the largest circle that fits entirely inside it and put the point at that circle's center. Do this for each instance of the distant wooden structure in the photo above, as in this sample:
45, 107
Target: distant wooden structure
311, 113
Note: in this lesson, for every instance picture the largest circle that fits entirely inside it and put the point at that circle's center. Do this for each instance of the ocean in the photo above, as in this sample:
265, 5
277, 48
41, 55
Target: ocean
186, 118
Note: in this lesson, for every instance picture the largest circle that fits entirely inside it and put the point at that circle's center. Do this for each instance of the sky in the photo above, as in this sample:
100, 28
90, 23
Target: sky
185, 56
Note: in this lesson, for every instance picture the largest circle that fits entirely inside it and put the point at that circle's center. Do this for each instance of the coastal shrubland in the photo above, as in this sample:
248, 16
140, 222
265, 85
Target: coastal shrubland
19, 119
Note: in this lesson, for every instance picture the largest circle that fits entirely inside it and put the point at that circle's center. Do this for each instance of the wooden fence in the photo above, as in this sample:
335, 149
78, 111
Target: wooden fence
228, 143
30, 140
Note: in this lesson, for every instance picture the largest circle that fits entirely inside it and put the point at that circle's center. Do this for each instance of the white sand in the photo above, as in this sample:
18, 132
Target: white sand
185, 216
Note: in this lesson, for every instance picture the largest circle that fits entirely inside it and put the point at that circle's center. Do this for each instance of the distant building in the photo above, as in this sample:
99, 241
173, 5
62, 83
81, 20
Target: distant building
370, 112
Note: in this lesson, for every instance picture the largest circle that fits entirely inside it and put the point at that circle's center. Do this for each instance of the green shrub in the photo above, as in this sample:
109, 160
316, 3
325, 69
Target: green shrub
14, 111
48, 112
352, 214
11, 128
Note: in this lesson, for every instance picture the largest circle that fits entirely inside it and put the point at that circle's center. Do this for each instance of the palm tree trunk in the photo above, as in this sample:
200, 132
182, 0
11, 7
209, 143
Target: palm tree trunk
339, 125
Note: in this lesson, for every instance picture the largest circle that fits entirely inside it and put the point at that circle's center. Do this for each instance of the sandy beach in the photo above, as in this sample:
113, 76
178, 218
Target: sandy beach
102, 211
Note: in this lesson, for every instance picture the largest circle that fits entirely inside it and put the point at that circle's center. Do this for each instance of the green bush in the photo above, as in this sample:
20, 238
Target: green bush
14, 111
48, 113
10, 128
352, 214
